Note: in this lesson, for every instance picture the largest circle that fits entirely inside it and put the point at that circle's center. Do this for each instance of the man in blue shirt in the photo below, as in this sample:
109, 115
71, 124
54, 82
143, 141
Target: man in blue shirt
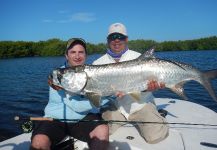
62, 105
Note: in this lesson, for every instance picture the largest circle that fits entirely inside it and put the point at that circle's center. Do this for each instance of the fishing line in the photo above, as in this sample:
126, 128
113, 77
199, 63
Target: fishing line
27, 125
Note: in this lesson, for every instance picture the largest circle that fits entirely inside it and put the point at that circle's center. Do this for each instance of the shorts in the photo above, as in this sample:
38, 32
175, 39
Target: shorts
57, 131
152, 133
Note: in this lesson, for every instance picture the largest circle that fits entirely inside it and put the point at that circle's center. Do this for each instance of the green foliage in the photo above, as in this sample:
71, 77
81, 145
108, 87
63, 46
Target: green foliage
209, 43
52, 47
93, 49
56, 47
141, 45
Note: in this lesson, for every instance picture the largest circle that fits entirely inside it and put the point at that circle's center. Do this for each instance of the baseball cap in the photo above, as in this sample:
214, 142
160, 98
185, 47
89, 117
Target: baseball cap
117, 28
73, 41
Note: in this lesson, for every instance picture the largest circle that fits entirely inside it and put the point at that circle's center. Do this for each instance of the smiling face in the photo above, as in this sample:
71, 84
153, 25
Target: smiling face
76, 55
117, 45
117, 42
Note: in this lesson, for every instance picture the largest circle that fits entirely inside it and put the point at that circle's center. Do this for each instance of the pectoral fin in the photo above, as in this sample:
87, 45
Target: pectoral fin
136, 95
94, 98
178, 89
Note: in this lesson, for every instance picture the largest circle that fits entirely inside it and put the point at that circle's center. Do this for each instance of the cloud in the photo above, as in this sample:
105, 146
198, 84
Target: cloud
64, 21
63, 11
79, 17
83, 17
47, 20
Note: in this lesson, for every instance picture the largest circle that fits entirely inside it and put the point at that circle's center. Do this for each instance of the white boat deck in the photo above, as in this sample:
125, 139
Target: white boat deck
181, 137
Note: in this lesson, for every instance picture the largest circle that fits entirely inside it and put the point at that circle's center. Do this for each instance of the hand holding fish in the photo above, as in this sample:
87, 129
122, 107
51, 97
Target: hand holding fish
154, 85
120, 94
55, 87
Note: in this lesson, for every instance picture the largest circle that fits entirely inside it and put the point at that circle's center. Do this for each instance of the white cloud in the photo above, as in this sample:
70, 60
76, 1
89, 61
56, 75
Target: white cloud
80, 17
83, 17
64, 21
63, 11
47, 20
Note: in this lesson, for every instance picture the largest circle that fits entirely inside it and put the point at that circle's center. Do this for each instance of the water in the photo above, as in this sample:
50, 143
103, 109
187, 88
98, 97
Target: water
24, 88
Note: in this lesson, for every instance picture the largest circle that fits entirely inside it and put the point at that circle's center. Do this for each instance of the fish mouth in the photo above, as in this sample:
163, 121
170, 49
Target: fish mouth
59, 77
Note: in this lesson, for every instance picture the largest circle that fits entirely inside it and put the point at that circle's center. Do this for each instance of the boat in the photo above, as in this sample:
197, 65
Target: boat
192, 127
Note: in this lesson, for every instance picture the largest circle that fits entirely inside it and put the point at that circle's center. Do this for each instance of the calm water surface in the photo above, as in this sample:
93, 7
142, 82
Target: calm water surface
24, 88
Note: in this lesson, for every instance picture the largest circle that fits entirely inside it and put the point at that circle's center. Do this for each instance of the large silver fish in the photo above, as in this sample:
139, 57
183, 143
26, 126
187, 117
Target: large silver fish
95, 81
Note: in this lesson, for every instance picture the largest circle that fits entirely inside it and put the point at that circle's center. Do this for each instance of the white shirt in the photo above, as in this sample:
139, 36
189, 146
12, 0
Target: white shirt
127, 104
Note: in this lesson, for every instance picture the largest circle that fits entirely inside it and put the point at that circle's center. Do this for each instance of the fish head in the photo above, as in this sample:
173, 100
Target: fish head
69, 79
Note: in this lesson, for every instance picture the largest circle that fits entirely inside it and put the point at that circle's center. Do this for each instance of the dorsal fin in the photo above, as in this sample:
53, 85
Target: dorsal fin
148, 54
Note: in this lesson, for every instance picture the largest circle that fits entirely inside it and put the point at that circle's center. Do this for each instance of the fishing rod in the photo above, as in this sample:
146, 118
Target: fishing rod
17, 118
28, 125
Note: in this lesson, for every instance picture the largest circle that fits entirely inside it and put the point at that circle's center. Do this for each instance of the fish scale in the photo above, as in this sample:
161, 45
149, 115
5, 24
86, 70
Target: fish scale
115, 80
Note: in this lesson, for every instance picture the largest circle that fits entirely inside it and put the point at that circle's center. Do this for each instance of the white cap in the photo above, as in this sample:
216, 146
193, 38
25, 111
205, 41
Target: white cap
117, 28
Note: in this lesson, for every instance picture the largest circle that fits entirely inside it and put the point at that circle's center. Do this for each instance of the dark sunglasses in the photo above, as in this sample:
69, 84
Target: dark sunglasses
115, 36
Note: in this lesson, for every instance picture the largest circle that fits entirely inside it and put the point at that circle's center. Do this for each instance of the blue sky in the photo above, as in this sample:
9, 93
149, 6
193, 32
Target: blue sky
159, 20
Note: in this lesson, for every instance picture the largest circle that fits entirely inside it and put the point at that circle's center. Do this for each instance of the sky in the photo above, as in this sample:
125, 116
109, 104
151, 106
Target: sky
159, 20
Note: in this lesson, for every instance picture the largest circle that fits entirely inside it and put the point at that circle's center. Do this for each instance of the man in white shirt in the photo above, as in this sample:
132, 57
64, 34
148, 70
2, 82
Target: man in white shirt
127, 107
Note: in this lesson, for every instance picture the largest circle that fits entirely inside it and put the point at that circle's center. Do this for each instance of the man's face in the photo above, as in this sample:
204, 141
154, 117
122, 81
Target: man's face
117, 42
76, 55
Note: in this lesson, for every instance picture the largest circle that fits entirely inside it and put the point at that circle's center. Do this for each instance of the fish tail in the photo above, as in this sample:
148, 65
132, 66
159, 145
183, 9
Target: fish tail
206, 77
211, 74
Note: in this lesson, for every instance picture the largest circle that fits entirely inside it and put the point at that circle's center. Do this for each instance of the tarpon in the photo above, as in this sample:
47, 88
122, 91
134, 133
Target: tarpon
95, 81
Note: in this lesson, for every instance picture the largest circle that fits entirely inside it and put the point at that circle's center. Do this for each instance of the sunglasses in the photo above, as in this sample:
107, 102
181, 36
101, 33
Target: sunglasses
115, 36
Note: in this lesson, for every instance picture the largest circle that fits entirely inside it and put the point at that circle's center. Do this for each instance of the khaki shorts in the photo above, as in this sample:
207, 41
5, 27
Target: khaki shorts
151, 132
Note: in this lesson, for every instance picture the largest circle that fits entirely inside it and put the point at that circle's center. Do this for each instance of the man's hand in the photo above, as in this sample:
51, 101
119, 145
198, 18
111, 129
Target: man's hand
120, 94
154, 85
55, 87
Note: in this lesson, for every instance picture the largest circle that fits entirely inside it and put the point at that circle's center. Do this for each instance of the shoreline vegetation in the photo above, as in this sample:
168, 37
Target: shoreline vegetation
56, 47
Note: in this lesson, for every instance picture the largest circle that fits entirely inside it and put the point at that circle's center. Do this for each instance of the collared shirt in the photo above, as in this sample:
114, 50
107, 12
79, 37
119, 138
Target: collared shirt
107, 59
